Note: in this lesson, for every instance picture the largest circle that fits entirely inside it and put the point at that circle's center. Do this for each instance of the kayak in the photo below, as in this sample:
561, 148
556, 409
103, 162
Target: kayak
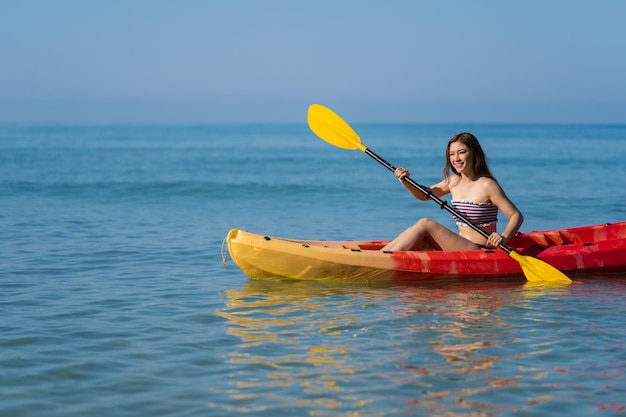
597, 249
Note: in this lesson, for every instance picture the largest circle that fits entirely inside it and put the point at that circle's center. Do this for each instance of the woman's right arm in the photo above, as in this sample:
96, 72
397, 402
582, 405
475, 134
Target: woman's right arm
437, 190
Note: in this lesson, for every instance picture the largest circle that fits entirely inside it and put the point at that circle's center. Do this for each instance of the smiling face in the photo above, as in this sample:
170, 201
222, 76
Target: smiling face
464, 155
461, 158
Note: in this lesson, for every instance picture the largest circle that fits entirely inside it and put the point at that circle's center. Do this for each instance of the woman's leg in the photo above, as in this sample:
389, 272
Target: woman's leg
429, 231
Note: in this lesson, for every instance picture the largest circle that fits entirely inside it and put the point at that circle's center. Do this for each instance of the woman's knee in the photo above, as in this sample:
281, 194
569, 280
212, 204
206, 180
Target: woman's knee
425, 223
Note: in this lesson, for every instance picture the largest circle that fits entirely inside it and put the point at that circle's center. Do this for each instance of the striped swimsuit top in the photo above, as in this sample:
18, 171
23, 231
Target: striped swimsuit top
481, 214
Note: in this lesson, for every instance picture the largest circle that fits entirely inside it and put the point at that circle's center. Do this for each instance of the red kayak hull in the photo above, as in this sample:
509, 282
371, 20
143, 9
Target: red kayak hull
597, 249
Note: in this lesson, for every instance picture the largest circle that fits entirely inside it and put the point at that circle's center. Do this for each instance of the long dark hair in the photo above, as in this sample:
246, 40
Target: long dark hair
480, 160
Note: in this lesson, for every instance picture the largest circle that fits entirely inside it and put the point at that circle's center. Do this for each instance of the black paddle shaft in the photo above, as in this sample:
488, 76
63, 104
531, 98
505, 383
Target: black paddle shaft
442, 203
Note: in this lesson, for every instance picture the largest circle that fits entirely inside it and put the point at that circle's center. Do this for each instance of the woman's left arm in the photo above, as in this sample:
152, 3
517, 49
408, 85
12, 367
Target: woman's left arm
506, 206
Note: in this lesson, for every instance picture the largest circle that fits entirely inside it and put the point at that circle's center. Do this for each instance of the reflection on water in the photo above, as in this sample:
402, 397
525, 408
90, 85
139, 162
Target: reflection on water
455, 349
295, 342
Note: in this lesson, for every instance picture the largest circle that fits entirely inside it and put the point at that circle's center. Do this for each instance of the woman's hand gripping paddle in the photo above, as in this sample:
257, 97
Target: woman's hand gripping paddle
333, 129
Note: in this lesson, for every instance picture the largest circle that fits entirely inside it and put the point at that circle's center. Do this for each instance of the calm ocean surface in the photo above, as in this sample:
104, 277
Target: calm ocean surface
115, 300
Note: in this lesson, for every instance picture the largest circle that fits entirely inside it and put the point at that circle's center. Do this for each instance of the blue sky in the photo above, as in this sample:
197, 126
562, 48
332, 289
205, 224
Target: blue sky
547, 61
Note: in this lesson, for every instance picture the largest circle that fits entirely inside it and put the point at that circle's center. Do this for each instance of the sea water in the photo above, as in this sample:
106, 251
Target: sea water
116, 301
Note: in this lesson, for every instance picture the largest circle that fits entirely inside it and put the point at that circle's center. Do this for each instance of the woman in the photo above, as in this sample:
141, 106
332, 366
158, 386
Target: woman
475, 194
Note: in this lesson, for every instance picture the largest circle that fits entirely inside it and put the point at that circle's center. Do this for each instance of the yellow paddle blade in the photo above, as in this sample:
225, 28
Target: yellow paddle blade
326, 124
537, 270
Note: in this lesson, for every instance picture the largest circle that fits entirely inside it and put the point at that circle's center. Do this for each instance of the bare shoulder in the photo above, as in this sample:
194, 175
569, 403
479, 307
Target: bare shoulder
492, 188
450, 182
444, 186
490, 185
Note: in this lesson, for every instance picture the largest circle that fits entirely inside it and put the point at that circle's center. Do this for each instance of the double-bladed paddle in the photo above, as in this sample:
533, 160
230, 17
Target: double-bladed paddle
333, 129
